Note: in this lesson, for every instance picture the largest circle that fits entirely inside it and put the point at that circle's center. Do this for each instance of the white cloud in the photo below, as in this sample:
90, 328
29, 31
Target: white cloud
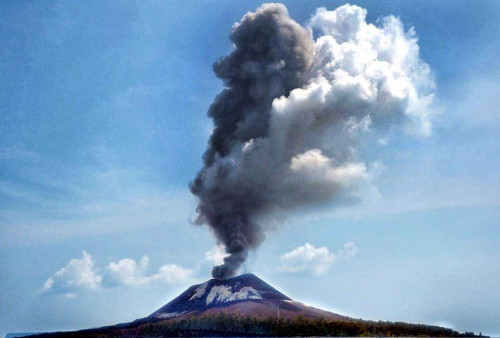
127, 272
318, 261
77, 274
348, 251
308, 258
144, 262
81, 274
124, 272
372, 70
342, 23
314, 166
171, 274
216, 254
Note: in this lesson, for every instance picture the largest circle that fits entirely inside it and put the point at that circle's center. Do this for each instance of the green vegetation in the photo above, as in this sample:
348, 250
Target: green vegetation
227, 325
224, 325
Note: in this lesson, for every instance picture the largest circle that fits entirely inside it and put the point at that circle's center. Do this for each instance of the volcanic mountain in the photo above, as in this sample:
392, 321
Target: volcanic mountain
245, 295
247, 306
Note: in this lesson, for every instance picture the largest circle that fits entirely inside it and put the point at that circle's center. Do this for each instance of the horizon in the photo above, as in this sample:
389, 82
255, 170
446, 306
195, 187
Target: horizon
104, 124
220, 299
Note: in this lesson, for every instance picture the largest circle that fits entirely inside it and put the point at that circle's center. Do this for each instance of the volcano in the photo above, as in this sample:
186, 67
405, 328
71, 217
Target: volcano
247, 306
245, 295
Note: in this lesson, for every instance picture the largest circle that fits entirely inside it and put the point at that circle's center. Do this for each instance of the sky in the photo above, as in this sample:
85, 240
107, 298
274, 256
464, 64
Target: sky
102, 127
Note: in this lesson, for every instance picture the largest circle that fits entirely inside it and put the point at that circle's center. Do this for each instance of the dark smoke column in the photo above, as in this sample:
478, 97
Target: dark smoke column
272, 56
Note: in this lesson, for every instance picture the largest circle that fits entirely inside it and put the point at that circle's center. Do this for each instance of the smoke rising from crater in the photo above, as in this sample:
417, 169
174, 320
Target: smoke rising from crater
296, 100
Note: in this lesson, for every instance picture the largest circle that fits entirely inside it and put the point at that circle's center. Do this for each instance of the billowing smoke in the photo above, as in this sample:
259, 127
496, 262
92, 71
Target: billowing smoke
296, 101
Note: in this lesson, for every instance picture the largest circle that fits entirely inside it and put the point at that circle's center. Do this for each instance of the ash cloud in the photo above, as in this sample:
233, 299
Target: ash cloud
296, 102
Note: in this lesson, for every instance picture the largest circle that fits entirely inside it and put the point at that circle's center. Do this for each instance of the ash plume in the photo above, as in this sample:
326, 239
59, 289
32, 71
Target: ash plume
296, 101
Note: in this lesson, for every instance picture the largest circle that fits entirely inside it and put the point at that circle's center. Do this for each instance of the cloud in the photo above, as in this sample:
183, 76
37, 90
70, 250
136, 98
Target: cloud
127, 272
318, 261
216, 254
349, 251
313, 166
171, 274
77, 274
80, 274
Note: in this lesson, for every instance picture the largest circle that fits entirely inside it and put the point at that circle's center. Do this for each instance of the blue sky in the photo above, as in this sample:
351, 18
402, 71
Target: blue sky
103, 124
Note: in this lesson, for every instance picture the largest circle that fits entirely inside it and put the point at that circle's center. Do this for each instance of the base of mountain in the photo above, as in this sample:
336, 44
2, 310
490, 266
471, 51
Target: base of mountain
223, 325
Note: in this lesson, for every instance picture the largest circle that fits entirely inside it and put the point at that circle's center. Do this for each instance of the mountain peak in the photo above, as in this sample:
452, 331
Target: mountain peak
247, 279
243, 276
216, 293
